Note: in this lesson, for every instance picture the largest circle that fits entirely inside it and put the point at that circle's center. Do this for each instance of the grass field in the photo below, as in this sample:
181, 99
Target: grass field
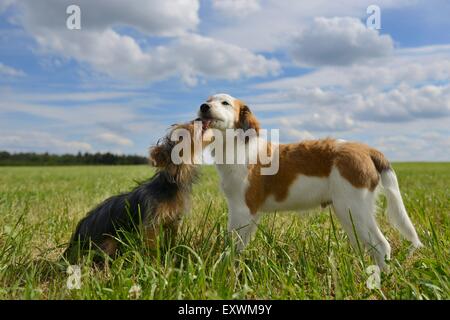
291, 257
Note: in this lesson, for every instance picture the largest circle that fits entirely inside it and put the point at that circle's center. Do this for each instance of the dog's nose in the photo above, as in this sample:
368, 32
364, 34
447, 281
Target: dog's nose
204, 108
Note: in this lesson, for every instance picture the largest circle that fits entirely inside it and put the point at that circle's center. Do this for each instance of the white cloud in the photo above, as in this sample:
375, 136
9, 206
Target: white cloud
76, 96
296, 97
40, 142
414, 66
152, 17
405, 103
10, 72
324, 121
205, 57
113, 139
425, 146
98, 44
190, 56
297, 135
88, 114
236, 8
338, 41
331, 111
327, 121
270, 28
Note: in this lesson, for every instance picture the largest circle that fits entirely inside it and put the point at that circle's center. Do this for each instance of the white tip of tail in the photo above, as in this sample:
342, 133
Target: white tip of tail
396, 209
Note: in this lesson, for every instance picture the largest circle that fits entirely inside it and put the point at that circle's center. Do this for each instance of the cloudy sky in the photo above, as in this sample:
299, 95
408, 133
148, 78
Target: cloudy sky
309, 68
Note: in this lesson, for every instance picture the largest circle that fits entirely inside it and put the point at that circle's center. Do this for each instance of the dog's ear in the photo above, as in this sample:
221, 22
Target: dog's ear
247, 120
159, 156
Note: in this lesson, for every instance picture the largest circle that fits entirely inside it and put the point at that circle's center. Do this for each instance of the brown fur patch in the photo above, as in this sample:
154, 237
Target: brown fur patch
245, 118
159, 156
379, 160
355, 163
315, 158
169, 212
109, 246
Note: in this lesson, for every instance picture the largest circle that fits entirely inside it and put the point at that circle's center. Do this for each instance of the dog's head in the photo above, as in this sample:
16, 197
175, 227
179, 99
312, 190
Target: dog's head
161, 153
222, 111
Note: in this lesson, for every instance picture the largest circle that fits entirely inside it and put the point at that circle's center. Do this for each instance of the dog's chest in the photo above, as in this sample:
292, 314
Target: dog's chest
170, 210
233, 178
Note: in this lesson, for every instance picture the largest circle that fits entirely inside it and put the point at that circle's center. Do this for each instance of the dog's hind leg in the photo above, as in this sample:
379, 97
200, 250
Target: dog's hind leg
355, 209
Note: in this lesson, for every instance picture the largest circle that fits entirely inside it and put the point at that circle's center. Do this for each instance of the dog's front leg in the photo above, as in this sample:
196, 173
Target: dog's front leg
243, 224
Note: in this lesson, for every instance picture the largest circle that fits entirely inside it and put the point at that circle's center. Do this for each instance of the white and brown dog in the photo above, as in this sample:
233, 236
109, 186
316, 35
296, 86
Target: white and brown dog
311, 173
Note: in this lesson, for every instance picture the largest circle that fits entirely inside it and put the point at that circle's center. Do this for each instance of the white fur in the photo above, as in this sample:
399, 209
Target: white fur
305, 193
234, 183
396, 209
223, 115
355, 209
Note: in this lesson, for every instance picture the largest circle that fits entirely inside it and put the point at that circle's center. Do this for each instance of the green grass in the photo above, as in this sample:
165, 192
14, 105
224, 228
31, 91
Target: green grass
291, 257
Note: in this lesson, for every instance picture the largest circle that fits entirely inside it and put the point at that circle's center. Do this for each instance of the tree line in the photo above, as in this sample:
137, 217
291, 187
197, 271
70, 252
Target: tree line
46, 159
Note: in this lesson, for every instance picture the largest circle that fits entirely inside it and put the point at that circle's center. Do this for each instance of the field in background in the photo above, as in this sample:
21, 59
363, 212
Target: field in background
291, 257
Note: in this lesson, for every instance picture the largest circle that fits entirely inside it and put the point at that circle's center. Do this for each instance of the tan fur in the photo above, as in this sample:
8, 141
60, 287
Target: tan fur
109, 246
355, 163
245, 118
169, 233
167, 218
170, 212
358, 163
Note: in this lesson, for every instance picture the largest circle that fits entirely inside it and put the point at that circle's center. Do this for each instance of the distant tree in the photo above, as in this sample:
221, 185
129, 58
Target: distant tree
46, 159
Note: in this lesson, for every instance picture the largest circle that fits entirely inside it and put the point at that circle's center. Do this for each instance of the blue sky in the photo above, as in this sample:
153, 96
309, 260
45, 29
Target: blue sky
311, 69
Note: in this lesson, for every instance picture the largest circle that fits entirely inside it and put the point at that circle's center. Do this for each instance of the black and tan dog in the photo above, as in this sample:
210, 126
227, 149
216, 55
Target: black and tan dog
153, 206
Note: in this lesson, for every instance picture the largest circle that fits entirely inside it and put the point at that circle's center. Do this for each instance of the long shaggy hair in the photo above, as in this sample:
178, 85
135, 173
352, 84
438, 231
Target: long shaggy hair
154, 206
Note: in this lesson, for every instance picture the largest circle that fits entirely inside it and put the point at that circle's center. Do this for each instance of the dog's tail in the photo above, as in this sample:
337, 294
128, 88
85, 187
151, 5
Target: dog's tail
395, 208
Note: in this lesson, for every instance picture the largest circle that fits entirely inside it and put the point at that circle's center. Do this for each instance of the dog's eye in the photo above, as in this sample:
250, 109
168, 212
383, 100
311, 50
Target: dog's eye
225, 103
